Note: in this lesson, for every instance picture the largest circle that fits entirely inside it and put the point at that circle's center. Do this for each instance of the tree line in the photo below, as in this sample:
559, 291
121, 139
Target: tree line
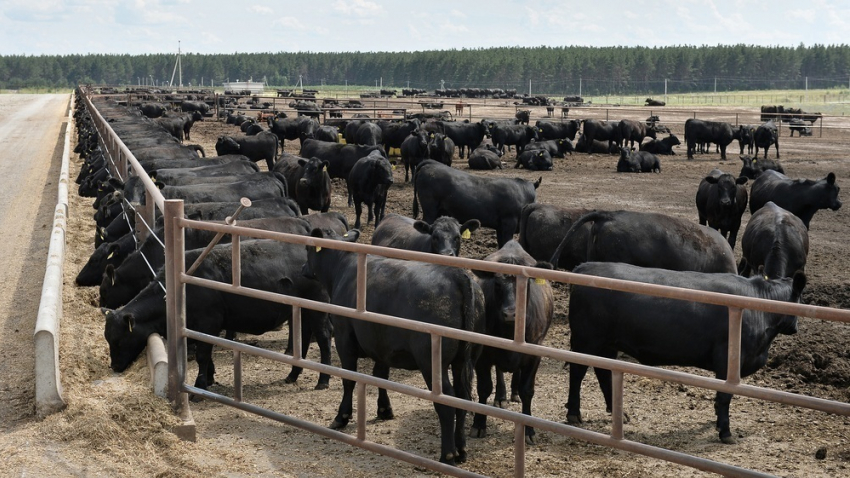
569, 69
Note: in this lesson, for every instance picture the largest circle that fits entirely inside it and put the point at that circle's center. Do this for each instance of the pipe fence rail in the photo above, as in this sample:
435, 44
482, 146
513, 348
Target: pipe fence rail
178, 390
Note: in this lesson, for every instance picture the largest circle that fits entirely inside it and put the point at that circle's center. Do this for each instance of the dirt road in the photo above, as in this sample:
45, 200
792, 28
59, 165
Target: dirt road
30, 127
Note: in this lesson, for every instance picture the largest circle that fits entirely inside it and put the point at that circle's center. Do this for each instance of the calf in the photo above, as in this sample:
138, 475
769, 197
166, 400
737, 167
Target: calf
500, 299
801, 197
638, 162
661, 146
534, 160
435, 295
721, 201
485, 157
752, 167
369, 182
263, 265
649, 240
766, 135
307, 180
744, 134
414, 150
496, 202
776, 240
657, 331
443, 237
263, 146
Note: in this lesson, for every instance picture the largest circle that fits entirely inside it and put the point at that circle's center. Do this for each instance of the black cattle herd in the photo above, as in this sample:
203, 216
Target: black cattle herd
454, 203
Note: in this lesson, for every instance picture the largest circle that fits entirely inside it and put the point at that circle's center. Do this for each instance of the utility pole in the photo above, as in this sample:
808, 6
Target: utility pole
529, 87
715, 85
807, 89
579, 87
665, 90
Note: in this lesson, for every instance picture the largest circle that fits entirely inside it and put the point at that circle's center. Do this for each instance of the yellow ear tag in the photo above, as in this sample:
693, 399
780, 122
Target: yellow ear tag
318, 248
393, 167
766, 278
540, 281
130, 325
345, 235
755, 161
110, 255
466, 234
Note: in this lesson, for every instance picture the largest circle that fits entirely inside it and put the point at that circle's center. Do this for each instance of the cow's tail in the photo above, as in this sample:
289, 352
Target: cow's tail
472, 317
278, 151
415, 197
198, 148
592, 216
523, 223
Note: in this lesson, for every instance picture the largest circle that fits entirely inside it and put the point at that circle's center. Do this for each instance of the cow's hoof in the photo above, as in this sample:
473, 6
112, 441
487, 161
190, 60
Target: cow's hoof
574, 419
515, 398
448, 459
729, 439
195, 398
530, 440
321, 386
290, 379
501, 403
460, 456
338, 424
475, 432
385, 413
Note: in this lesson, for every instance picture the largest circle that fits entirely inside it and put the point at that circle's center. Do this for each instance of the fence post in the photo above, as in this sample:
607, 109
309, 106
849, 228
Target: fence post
175, 291
733, 365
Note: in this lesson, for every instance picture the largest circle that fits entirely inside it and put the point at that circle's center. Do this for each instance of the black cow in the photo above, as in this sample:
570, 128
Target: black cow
512, 135
541, 228
465, 135
496, 202
801, 197
766, 135
117, 228
698, 132
307, 128
340, 157
442, 237
651, 102
752, 167
153, 110
254, 129
265, 266
329, 134
169, 175
500, 299
368, 134
656, 331
441, 148
198, 106
485, 156
369, 181
649, 239
414, 150
631, 131
744, 134
393, 134
721, 201
534, 160
349, 133
108, 253
523, 116
798, 125
661, 146
436, 295
557, 148
284, 128
638, 162
263, 146
180, 126
776, 240
602, 131
557, 129
307, 180
260, 186
595, 146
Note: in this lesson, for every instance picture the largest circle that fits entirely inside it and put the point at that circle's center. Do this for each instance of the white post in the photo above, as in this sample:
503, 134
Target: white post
579, 87
665, 90
529, 87
715, 85
807, 89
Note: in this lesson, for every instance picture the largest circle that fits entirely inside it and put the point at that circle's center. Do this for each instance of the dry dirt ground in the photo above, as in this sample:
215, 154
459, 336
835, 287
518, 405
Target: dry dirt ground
114, 426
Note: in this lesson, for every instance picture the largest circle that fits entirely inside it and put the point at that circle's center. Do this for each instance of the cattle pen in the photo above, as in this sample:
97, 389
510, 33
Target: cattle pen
178, 390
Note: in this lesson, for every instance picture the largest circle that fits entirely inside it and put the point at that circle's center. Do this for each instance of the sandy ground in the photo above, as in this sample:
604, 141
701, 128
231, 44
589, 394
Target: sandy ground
113, 426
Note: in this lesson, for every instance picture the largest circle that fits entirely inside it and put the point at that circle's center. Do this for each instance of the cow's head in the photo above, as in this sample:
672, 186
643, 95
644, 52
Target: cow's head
727, 188
446, 234
126, 340
323, 263
828, 192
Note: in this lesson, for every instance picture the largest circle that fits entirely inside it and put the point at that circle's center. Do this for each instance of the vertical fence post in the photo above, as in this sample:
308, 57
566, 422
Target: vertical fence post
436, 364
361, 282
617, 405
733, 366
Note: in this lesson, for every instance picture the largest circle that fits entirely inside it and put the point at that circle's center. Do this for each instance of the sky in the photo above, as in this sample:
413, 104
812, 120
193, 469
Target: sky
56, 27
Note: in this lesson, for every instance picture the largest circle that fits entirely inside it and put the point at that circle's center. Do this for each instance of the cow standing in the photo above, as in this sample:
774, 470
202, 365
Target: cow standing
776, 240
721, 201
801, 197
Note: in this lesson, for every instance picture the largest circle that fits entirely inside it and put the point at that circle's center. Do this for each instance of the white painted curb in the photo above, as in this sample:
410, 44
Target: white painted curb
48, 386
158, 365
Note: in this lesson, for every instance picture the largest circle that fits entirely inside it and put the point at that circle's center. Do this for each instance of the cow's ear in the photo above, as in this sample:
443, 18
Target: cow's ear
113, 248
710, 179
302, 161
423, 227
130, 321
351, 236
106, 312
830, 179
761, 272
544, 265
483, 274
317, 232
471, 225
744, 159
324, 165
799, 282
741, 180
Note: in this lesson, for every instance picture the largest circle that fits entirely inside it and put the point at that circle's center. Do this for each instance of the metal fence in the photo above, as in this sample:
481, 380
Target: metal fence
178, 390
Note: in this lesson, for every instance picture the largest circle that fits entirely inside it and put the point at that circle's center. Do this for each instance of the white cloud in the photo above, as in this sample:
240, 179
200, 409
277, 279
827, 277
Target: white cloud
360, 8
290, 22
414, 33
806, 15
453, 28
261, 9
533, 16
457, 13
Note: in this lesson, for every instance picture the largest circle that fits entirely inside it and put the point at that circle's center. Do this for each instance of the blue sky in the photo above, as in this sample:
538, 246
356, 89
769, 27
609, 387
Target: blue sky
34, 27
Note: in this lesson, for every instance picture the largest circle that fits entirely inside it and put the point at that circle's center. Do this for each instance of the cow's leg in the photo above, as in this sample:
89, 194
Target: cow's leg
777, 147
206, 369
721, 408
346, 345
505, 232
406, 170
385, 408
501, 398
369, 208
603, 376
484, 386
446, 414
515, 381
462, 388
691, 147
270, 163
723, 152
527, 374
577, 373
358, 208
